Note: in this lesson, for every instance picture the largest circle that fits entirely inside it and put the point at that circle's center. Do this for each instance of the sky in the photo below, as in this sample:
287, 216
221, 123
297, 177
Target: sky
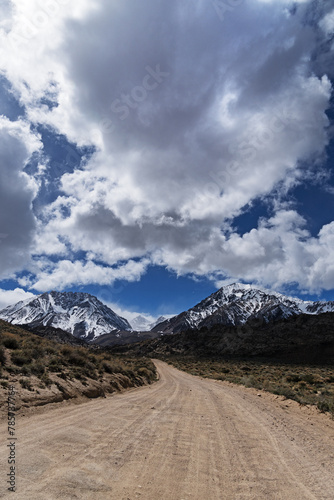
153, 151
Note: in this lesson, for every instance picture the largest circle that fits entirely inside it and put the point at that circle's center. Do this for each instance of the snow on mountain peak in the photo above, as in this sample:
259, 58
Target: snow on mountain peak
78, 313
85, 316
142, 324
236, 303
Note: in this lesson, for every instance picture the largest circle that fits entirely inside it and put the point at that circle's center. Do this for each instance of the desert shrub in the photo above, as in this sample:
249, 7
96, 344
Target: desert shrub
108, 368
45, 379
144, 372
293, 377
248, 381
49, 350
54, 364
12, 369
323, 406
325, 392
93, 359
2, 356
10, 343
25, 370
74, 357
90, 366
26, 384
77, 374
21, 358
308, 378
35, 347
129, 372
66, 350
37, 369
37, 352
89, 370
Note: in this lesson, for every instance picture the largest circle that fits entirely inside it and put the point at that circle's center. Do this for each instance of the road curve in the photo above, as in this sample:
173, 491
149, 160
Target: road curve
182, 438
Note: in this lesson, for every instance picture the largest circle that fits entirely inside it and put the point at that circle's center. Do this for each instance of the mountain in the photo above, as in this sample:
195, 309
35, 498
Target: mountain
236, 304
302, 338
55, 334
85, 317
80, 314
142, 324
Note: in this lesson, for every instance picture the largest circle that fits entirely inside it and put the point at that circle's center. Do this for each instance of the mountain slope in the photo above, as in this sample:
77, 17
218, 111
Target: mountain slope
302, 338
142, 324
236, 304
85, 317
80, 314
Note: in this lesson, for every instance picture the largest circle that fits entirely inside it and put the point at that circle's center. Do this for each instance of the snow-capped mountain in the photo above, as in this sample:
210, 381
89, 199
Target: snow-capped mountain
142, 324
237, 303
84, 316
81, 314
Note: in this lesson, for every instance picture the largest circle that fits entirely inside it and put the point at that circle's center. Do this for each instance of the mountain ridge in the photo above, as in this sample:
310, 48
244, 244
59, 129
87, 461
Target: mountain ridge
78, 313
236, 304
142, 324
85, 317
303, 338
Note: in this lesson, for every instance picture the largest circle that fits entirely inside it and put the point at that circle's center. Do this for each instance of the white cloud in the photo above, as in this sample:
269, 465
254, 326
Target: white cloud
10, 297
192, 119
278, 252
67, 273
327, 23
6, 12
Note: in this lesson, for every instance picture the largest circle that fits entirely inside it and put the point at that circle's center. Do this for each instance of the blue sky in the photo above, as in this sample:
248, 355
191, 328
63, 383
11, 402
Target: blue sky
151, 153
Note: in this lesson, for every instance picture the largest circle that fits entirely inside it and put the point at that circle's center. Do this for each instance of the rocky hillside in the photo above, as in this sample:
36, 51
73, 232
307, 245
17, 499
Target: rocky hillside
303, 338
80, 314
236, 304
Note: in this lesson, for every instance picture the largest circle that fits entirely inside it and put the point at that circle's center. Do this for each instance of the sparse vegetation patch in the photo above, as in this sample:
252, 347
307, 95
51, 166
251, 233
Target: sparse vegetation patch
41, 364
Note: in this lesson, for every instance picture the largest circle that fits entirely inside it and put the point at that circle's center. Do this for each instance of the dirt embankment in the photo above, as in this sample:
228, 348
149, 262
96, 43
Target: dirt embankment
182, 438
46, 372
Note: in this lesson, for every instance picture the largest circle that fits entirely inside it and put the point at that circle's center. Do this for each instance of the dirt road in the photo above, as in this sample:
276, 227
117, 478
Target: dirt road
182, 438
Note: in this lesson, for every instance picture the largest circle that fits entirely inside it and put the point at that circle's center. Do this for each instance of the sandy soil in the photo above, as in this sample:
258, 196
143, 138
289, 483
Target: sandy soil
182, 438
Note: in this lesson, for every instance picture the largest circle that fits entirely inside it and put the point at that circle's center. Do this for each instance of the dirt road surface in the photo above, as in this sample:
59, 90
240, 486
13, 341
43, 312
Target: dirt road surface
182, 438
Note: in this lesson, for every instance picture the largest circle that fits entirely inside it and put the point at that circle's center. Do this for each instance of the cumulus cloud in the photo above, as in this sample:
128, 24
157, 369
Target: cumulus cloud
10, 297
67, 273
327, 23
6, 12
278, 252
193, 116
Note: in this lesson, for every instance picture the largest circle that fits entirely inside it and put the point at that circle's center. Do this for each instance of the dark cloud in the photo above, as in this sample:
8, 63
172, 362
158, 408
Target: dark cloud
17, 190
